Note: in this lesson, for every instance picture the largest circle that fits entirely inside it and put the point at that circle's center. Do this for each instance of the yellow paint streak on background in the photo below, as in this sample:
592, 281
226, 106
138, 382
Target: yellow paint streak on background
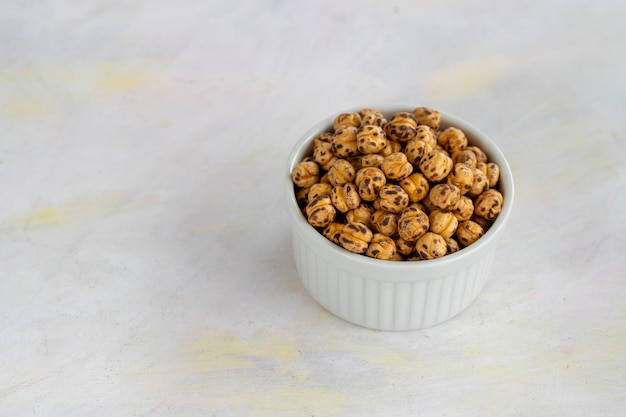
469, 77
225, 350
72, 211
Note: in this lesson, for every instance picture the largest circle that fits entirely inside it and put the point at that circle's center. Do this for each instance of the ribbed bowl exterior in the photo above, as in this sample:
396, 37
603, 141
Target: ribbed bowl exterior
388, 295
387, 305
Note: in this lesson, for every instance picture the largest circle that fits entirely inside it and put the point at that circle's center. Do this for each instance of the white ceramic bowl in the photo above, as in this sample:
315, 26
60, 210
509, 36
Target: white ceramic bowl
388, 295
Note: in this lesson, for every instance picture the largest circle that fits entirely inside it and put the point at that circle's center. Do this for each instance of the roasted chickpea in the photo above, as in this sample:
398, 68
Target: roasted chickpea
355, 237
381, 247
341, 172
345, 197
344, 142
445, 196
427, 116
370, 139
347, 120
393, 198
431, 246
413, 224
469, 232
436, 165
489, 204
320, 211
385, 222
452, 140
401, 127
443, 222
416, 186
369, 182
396, 166
305, 174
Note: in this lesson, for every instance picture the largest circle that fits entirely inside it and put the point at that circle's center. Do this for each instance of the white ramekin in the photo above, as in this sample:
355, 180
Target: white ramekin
388, 295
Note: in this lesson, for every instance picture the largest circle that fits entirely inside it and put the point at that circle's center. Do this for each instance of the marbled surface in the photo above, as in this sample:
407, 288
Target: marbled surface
145, 255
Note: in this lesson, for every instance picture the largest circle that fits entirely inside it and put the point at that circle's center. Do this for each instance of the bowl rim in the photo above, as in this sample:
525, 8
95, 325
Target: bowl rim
506, 186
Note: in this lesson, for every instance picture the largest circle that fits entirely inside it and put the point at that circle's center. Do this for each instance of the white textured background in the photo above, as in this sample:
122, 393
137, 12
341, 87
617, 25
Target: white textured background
145, 260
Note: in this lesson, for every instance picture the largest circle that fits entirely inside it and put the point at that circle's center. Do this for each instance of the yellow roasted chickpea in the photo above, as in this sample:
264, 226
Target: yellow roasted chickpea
413, 224
305, 174
342, 172
333, 231
452, 140
480, 183
361, 214
452, 244
466, 156
347, 119
381, 247
396, 166
443, 222
493, 174
427, 116
430, 246
355, 237
469, 232
415, 150
393, 198
319, 189
385, 222
323, 154
344, 142
435, 165
320, 211
445, 196
345, 197
416, 186
401, 127
370, 139
489, 204
372, 160
464, 209
373, 117
369, 182
462, 176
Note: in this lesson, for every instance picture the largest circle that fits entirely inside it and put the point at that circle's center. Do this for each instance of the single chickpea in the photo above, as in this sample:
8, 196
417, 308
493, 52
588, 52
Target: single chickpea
385, 222
369, 182
464, 209
320, 211
347, 119
416, 186
355, 237
305, 174
344, 142
413, 224
462, 176
427, 116
373, 117
401, 127
393, 198
443, 222
489, 204
361, 214
370, 139
341, 172
333, 231
452, 140
431, 246
381, 247
415, 150
396, 166
345, 197
445, 196
469, 232
435, 165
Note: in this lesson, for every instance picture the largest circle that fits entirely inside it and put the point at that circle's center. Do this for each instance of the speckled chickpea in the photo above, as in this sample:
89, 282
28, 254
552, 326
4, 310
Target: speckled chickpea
320, 211
435, 165
427, 134
333, 231
305, 174
341, 172
466, 157
401, 127
369, 182
319, 189
381, 247
413, 224
443, 222
464, 209
392, 146
373, 117
452, 140
372, 160
493, 174
323, 155
361, 214
416, 186
385, 222
469, 232
427, 116
404, 247
322, 137
415, 150
445, 196
481, 156
345, 197
302, 196
462, 176
489, 204
393, 198
452, 245
430, 246
355, 237
396, 166
480, 183
370, 139
344, 142
347, 119
481, 166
